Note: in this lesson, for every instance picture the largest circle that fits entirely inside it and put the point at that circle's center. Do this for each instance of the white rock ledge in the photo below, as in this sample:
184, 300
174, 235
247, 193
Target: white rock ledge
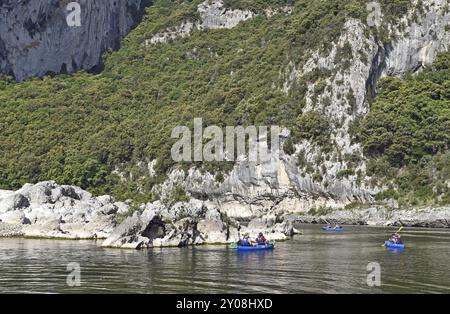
381, 216
49, 210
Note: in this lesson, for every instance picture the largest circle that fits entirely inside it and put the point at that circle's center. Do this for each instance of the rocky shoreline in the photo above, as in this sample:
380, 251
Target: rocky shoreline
49, 210
382, 216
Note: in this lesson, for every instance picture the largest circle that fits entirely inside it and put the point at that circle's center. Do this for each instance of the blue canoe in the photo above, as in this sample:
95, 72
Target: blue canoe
255, 248
332, 229
394, 246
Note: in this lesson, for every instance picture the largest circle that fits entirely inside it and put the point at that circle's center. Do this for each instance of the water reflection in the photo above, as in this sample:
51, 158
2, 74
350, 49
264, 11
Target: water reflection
315, 262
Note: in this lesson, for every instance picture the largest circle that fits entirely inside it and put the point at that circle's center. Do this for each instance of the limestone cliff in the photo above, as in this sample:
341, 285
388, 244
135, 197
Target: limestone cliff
35, 38
252, 189
211, 15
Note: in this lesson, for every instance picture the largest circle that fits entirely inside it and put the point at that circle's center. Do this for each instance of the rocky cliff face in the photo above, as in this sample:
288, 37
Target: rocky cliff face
212, 14
252, 189
35, 38
420, 41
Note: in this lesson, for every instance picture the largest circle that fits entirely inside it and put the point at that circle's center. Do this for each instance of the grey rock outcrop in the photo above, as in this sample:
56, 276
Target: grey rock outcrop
157, 227
382, 216
50, 210
418, 44
35, 38
181, 225
212, 14
136, 232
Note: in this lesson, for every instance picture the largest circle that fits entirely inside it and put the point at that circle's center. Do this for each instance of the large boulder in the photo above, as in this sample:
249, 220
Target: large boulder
49, 210
39, 193
172, 239
181, 233
286, 227
272, 230
12, 201
158, 226
213, 230
262, 223
136, 231
15, 217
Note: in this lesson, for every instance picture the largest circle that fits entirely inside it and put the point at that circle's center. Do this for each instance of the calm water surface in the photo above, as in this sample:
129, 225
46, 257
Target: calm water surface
317, 262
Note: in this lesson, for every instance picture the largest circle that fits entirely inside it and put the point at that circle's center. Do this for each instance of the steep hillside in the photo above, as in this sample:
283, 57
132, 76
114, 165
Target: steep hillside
309, 66
407, 136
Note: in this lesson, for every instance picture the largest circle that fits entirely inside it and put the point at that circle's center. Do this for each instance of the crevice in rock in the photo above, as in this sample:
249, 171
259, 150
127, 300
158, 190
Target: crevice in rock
376, 70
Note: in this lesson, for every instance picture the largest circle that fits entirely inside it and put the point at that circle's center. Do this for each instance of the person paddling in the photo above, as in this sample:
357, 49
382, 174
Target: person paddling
245, 241
396, 238
261, 240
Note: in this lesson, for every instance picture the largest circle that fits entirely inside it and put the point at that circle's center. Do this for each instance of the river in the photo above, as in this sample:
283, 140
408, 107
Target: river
314, 262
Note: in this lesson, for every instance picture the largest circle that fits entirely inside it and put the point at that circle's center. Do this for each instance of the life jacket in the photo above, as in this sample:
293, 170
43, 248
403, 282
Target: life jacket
261, 241
245, 242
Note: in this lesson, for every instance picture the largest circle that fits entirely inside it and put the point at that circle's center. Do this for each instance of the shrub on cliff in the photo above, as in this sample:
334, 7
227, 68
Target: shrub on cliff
408, 131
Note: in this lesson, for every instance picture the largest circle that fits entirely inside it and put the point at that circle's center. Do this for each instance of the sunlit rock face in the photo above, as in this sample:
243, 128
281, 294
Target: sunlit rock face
423, 38
36, 39
49, 210
212, 15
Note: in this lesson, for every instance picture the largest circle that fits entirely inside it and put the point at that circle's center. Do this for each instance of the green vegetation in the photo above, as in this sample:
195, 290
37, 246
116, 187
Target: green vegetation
177, 195
312, 126
407, 136
100, 131
321, 211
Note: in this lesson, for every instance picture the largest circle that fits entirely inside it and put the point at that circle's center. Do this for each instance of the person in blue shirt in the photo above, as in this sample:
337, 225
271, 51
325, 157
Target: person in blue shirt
245, 241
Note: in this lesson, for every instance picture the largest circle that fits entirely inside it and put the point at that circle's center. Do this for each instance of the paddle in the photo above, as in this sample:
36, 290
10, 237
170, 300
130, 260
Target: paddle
398, 231
234, 245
